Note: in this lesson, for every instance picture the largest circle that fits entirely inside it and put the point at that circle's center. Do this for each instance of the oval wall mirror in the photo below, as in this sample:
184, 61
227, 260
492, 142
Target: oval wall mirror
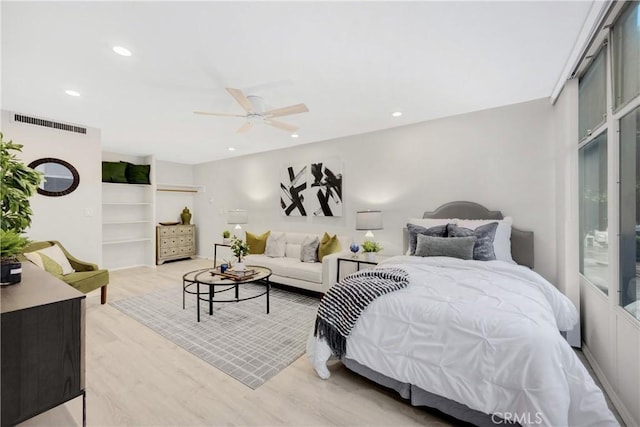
60, 177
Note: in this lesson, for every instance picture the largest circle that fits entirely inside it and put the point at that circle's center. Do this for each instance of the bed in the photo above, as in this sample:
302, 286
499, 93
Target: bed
477, 340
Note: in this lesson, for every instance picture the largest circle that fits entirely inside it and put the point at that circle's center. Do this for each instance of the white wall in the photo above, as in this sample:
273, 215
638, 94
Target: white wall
502, 158
169, 204
74, 219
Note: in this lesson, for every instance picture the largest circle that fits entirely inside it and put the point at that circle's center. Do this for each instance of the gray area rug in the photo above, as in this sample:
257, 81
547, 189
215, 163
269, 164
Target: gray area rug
239, 339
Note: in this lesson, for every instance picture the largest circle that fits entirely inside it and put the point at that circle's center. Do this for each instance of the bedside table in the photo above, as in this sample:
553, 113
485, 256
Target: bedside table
359, 259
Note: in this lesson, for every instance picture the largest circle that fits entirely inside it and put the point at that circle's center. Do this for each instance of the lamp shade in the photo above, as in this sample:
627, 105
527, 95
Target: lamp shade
237, 216
369, 220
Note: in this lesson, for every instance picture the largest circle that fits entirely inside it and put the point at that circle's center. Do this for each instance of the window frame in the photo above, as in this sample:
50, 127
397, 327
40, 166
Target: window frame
611, 125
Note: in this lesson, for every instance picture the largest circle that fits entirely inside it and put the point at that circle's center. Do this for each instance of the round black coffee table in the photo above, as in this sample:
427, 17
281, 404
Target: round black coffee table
218, 282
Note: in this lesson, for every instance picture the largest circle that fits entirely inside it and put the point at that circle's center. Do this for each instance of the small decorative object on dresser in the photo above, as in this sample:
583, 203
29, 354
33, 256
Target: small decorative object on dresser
175, 242
226, 234
185, 216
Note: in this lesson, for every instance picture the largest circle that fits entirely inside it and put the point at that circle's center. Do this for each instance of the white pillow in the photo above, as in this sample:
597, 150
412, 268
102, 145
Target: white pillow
275, 245
502, 239
55, 253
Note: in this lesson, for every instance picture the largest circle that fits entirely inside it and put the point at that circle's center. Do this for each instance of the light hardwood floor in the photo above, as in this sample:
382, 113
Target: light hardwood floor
135, 377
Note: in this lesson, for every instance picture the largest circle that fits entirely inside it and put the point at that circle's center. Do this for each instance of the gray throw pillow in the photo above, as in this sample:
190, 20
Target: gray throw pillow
456, 247
483, 250
414, 230
309, 249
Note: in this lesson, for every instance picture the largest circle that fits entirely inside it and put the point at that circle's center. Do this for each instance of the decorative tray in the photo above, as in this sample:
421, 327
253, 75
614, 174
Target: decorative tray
169, 223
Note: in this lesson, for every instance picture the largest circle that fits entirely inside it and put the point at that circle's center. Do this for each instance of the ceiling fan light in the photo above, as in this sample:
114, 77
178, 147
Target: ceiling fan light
231, 149
294, 135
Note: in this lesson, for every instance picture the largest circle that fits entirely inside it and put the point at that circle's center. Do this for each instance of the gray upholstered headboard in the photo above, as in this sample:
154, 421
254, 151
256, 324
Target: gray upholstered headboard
521, 241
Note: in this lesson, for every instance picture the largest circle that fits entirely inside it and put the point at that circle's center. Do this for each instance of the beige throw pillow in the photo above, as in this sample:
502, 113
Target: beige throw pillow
51, 259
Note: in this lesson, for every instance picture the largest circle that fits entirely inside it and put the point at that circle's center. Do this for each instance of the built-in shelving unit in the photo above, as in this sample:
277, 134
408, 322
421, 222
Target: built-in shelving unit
128, 219
130, 212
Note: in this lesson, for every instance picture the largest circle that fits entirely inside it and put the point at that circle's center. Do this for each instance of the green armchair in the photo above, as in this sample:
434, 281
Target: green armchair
87, 276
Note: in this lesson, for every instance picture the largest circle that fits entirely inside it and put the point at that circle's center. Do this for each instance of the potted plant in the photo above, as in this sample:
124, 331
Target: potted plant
370, 248
12, 245
225, 237
239, 248
18, 183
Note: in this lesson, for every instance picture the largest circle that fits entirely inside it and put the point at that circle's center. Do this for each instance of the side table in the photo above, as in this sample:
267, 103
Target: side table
358, 260
215, 252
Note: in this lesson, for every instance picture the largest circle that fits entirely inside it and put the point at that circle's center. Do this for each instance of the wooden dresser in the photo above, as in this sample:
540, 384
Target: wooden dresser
42, 345
175, 242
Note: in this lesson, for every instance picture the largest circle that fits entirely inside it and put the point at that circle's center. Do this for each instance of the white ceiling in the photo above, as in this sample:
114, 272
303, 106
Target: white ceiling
351, 63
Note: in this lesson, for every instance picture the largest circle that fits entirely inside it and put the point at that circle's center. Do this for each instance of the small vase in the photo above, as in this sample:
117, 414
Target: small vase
185, 216
354, 249
239, 266
370, 256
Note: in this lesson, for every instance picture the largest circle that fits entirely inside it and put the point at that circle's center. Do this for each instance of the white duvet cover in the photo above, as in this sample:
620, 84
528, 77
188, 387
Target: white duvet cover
484, 334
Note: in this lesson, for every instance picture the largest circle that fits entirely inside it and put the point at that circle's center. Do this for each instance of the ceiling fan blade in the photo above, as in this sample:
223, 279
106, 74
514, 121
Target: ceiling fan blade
244, 128
241, 99
286, 111
218, 114
282, 125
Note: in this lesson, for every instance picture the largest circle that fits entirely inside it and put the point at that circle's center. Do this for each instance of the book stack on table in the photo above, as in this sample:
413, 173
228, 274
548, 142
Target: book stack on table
235, 274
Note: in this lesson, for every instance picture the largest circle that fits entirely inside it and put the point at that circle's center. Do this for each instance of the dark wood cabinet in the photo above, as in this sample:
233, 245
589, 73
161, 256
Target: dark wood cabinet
42, 345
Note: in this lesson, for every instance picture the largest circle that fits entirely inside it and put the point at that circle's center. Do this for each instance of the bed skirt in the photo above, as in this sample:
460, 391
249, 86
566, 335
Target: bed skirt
420, 397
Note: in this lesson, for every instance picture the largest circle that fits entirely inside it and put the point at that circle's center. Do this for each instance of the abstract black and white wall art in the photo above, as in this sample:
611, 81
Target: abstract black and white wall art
293, 184
323, 196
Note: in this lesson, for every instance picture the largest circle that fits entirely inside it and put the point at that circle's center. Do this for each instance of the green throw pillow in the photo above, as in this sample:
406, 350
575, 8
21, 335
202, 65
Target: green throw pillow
51, 266
257, 243
328, 245
114, 172
137, 174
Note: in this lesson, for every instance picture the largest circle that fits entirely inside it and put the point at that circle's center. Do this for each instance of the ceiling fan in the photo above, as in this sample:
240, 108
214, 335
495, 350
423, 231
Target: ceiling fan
254, 106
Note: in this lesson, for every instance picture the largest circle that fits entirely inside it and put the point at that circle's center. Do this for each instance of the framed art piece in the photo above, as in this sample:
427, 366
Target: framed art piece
293, 183
324, 193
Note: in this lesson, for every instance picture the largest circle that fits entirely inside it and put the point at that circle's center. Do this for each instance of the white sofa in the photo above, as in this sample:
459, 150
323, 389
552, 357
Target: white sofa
289, 270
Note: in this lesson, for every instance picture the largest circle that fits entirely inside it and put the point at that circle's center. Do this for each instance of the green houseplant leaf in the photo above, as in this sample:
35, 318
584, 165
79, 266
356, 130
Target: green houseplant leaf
239, 247
11, 244
18, 183
369, 246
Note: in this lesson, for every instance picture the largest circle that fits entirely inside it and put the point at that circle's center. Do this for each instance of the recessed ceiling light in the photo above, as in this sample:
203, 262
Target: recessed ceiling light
72, 92
232, 149
122, 51
397, 114
294, 135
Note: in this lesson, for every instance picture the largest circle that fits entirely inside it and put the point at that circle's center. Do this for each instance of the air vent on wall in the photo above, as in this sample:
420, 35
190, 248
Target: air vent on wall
49, 124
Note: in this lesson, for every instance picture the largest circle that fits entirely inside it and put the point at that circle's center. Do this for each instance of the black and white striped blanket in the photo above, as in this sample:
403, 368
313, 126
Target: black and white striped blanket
342, 305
